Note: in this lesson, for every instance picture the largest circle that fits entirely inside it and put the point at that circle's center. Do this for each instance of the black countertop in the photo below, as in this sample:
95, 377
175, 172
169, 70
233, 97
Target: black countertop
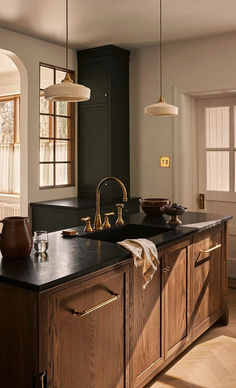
70, 258
78, 203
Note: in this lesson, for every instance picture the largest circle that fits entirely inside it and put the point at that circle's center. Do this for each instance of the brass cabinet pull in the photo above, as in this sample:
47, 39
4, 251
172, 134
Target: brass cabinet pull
98, 306
211, 249
40, 379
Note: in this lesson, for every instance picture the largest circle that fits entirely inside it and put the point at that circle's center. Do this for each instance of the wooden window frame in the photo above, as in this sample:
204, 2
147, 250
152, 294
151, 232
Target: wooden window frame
16, 99
52, 130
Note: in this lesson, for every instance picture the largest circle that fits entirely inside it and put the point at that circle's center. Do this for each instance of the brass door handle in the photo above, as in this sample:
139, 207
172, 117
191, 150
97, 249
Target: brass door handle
210, 249
98, 306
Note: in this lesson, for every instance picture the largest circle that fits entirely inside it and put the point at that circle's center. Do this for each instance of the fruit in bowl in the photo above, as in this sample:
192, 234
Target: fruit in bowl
173, 210
152, 206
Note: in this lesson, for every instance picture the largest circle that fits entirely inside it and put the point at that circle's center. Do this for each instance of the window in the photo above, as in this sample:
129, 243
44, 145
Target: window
9, 145
217, 148
56, 133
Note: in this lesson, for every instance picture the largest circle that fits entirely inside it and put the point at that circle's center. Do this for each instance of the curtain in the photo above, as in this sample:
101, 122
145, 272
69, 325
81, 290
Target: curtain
10, 168
46, 170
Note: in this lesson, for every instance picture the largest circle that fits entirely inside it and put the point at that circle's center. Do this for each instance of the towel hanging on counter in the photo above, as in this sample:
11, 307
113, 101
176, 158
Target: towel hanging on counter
145, 256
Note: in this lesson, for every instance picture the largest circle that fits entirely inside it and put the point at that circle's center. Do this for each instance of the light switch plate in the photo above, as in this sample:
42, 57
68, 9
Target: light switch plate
165, 161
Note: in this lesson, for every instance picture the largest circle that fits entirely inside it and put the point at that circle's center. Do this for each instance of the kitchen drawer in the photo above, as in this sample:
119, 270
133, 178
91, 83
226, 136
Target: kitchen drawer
207, 274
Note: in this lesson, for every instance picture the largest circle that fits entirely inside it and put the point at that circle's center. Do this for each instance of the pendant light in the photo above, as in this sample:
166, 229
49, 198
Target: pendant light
161, 108
67, 90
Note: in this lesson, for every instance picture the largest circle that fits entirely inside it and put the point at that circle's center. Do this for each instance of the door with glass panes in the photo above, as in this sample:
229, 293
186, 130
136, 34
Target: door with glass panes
216, 119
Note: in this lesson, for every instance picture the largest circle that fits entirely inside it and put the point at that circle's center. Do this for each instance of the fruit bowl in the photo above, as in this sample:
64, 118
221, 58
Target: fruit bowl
152, 206
174, 211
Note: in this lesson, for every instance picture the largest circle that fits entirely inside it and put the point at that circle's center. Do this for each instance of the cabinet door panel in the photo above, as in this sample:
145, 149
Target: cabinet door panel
146, 346
93, 147
176, 291
89, 350
95, 76
207, 281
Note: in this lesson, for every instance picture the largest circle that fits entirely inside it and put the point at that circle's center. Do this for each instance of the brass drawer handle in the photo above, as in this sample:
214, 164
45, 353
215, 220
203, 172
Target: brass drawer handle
98, 306
211, 249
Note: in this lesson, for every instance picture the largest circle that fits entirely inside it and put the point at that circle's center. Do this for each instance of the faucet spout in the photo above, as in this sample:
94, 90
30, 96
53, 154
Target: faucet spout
97, 220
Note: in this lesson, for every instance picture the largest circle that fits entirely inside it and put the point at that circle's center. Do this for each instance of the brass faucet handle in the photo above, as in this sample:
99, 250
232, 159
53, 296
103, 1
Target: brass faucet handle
120, 221
88, 228
106, 224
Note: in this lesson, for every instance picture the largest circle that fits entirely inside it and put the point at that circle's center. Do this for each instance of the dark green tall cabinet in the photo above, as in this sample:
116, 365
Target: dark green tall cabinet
103, 121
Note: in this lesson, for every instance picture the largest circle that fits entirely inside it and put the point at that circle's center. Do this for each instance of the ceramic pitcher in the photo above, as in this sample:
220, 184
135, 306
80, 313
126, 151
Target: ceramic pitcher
16, 237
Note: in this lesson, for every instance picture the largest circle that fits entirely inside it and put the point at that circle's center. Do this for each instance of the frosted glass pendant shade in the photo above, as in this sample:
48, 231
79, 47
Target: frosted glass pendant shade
161, 108
67, 91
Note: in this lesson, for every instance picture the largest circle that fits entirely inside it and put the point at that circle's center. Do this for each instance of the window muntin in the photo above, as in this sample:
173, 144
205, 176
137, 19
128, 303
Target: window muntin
56, 134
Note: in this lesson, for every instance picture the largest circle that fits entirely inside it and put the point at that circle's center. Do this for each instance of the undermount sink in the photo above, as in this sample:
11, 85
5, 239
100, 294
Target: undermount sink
126, 231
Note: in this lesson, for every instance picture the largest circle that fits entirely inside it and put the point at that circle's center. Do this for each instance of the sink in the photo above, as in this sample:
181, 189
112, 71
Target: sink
126, 231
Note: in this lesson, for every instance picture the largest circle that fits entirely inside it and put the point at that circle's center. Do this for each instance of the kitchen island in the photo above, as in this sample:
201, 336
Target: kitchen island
78, 316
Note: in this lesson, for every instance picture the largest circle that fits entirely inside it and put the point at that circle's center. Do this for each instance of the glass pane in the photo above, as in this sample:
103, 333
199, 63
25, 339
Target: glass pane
218, 170
234, 126
63, 108
45, 105
63, 128
60, 75
46, 150
63, 151
217, 127
46, 126
46, 77
6, 122
63, 173
46, 175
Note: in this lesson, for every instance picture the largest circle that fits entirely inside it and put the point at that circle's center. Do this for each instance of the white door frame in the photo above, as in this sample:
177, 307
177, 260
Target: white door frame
185, 169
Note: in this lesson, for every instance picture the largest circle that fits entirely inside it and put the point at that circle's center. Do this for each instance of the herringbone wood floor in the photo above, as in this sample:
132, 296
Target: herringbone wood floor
211, 363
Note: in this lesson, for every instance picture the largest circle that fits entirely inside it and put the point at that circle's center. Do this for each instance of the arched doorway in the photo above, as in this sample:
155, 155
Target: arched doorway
14, 156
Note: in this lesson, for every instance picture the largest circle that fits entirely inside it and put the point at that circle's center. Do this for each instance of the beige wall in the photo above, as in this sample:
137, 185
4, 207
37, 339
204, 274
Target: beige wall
190, 67
29, 52
197, 64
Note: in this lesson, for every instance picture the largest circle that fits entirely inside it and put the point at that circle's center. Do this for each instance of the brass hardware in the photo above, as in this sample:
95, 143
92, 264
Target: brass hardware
106, 224
88, 228
211, 249
97, 220
165, 161
167, 269
40, 379
120, 221
201, 201
98, 306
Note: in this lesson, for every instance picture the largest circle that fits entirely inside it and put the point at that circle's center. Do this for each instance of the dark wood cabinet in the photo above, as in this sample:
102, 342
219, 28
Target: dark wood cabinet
88, 350
146, 346
103, 121
45, 342
207, 275
176, 294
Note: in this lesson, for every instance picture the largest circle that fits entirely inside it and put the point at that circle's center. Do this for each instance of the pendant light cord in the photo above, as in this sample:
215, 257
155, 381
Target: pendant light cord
67, 33
161, 97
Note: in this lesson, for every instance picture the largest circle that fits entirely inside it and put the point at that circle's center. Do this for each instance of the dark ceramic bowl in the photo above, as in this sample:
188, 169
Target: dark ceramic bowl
151, 206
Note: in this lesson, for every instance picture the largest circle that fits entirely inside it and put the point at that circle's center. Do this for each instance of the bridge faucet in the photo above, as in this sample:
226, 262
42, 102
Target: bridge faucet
97, 220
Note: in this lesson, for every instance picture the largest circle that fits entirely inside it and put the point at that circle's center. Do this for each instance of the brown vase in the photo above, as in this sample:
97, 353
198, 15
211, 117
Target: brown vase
16, 237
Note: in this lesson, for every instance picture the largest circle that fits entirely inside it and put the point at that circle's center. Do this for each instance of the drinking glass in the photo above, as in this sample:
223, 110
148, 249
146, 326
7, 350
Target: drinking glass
40, 241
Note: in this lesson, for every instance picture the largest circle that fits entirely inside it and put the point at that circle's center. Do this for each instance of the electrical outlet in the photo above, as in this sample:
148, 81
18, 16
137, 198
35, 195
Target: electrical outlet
165, 161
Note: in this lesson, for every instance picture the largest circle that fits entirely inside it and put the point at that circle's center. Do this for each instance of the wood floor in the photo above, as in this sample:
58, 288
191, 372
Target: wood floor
211, 363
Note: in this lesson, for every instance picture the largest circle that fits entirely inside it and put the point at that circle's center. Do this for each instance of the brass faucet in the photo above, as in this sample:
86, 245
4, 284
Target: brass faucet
97, 220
